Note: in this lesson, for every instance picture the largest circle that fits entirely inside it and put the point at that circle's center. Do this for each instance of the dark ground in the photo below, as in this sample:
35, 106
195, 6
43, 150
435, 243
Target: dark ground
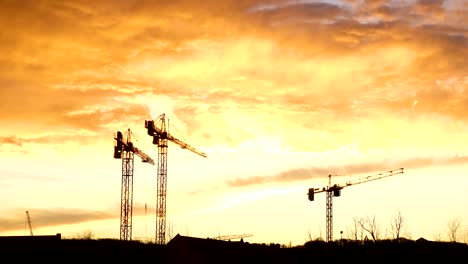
183, 249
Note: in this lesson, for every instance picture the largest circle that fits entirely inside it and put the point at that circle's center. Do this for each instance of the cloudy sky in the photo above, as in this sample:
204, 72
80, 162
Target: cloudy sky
278, 94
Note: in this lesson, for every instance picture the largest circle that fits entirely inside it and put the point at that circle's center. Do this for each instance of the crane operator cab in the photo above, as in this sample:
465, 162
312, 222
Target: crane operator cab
149, 125
118, 145
311, 194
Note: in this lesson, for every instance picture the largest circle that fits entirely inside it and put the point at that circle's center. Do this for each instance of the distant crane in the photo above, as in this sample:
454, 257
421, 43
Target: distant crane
124, 149
229, 237
335, 190
28, 218
158, 129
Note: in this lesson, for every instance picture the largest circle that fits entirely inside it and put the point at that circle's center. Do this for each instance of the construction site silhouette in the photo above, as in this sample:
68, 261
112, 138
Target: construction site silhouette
185, 249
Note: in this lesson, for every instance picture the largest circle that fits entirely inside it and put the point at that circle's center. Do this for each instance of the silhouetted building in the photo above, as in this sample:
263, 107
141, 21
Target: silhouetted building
11, 240
184, 249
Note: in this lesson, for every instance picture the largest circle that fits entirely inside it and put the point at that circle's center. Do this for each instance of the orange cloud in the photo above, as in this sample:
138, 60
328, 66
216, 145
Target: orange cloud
53, 217
311, 66
302, 174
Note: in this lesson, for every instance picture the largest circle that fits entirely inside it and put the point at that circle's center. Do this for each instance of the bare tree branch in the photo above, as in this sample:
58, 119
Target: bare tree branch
454, 229
437, 237
314, 238
465, 236
353, 231
397, 225
370, 226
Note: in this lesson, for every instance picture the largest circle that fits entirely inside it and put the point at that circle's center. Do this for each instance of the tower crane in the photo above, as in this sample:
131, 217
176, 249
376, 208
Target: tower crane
335, 190
28, 218
158, 129
124, 149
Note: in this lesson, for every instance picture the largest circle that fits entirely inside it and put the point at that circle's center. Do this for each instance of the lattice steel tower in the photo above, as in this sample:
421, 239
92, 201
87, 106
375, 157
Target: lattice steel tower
335, 190
126, 198
161, 193
158, 129
125, 150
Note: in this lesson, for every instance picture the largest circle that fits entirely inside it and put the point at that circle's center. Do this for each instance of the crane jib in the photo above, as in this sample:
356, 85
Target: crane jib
159, 134
335, 190
123, 150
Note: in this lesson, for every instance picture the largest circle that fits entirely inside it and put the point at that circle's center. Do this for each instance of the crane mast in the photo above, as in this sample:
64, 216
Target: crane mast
125, 150
161, 137
28, 218
335, 191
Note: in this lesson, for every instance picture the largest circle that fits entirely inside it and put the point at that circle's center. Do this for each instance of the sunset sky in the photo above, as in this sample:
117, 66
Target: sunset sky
279, 94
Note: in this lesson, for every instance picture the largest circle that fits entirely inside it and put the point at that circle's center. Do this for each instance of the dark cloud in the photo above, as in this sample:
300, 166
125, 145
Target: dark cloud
64, 216
21, 143
51, 139
307, 173
69, 107
394, 21
288, 176
53, 217
12, 141
301, 12
321, 172
97, 120
428, 162
416, 11
389, 13
430, 7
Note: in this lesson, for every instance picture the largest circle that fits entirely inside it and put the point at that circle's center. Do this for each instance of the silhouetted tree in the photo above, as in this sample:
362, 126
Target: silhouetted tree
397, 225
408, 234
370, 226
316, 238
85, 235
355, 232
437, 237
465, 237
454, 229
309, 236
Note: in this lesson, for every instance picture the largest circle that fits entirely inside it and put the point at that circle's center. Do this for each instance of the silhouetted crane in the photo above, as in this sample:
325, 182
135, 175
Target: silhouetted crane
229, 237
28, 218
335, 190
125, 150
158, 129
